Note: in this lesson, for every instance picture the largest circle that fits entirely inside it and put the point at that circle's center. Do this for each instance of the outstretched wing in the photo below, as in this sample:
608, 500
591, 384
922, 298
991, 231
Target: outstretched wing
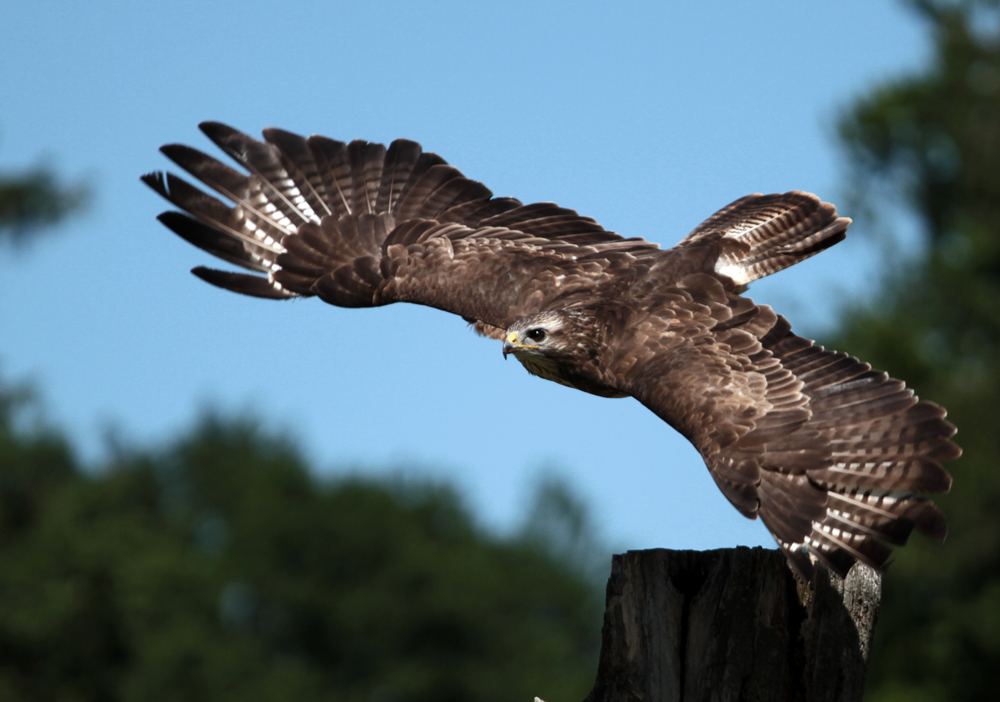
830, 454
361, 225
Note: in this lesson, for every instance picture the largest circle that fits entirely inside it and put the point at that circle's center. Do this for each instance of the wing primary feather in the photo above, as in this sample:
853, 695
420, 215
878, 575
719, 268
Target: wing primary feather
253, 285
261, 159
211, 240
221, 178
293, 150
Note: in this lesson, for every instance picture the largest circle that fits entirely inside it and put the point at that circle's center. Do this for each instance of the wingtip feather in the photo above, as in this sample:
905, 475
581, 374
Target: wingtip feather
243, 283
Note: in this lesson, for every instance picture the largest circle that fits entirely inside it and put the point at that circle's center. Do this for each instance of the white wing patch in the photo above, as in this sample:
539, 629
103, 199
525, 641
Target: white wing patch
733, 269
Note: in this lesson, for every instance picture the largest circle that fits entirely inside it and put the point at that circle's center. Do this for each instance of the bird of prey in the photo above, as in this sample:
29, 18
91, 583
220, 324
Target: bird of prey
830, 454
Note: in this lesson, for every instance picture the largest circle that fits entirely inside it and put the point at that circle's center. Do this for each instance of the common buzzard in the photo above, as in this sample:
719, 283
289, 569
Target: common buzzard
829, 453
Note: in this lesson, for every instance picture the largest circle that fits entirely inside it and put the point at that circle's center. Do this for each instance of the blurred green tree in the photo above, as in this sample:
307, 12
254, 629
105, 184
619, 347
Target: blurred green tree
35, 199
221, 569
931, 143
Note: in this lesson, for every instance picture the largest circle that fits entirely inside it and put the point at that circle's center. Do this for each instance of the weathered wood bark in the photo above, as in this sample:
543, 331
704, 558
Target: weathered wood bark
732, 624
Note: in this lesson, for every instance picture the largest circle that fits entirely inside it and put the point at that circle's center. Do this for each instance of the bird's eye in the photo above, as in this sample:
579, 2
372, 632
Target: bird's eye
536, 334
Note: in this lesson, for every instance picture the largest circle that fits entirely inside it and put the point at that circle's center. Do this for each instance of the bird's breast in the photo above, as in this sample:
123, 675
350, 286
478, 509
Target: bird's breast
555, 371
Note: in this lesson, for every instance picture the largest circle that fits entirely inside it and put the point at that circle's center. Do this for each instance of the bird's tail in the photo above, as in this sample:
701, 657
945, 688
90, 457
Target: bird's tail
762, 234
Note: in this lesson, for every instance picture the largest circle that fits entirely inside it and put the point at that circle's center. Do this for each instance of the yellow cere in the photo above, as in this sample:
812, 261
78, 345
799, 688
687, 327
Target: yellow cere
512, 337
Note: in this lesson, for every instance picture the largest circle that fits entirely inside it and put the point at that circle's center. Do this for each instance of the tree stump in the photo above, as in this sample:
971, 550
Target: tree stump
733, 624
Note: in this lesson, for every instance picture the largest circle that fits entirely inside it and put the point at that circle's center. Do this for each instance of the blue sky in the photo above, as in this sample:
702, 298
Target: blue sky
646, 116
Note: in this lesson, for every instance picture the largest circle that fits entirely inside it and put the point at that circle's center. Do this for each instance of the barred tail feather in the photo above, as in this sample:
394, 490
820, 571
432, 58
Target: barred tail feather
763, 234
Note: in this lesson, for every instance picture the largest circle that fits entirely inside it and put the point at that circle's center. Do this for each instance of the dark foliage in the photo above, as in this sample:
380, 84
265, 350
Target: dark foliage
35, 199
221, 569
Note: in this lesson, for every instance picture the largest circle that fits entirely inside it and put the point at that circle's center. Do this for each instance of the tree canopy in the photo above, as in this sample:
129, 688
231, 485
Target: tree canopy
221, 568
35, 199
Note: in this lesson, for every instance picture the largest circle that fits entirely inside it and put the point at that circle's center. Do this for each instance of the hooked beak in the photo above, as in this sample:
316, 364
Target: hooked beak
512, 344
509, 344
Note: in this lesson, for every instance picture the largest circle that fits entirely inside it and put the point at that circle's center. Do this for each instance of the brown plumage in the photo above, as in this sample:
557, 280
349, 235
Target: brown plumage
830, 454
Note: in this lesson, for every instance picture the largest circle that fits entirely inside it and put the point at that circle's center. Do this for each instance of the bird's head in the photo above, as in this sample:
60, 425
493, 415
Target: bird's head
540, 335
560, 346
